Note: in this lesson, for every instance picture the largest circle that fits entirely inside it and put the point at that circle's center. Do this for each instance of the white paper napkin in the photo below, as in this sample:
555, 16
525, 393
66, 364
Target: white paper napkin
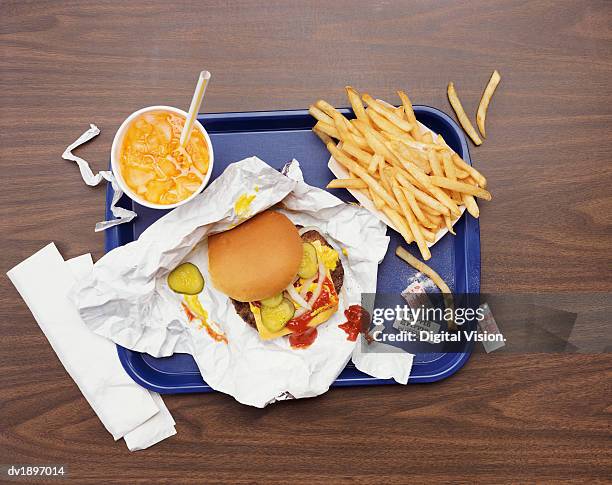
125, 409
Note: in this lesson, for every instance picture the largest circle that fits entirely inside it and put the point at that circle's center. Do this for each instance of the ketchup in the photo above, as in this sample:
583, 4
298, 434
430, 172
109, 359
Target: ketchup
357, 320
303, 339
303, 336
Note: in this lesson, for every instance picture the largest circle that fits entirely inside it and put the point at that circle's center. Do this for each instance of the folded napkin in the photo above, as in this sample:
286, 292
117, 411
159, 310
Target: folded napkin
126, 410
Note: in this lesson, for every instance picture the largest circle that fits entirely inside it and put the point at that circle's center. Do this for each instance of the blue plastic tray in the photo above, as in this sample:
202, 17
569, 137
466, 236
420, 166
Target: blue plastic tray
277, 137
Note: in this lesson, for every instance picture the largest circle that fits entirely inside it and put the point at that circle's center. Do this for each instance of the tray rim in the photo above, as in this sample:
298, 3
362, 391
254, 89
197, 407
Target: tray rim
112, 239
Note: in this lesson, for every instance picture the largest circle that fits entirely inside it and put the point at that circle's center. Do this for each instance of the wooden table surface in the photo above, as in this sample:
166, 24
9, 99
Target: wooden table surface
519, 418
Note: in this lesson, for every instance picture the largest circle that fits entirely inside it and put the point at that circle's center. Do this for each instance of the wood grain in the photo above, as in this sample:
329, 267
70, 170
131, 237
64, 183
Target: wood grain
549, 227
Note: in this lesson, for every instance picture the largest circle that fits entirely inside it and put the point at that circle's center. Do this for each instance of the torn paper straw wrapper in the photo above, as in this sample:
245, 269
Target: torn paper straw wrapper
122, 215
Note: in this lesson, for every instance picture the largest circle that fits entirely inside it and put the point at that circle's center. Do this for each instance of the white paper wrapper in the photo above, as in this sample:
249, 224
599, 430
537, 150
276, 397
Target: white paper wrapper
342, 173
122, 215
126, 298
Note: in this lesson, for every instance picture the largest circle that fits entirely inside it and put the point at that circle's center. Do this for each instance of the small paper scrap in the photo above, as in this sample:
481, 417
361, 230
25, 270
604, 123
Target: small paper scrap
122, 215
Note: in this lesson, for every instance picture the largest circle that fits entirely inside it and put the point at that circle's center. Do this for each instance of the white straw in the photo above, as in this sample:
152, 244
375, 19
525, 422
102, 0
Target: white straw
196, 101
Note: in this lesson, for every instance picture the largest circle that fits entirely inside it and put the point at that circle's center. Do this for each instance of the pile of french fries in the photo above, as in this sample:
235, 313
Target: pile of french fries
419, 183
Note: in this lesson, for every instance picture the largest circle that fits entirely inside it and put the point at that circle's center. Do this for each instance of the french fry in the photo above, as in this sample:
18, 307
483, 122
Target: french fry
414, 206
407, 105
434, 190
384, 179
375, 143
420, 195
327, 108
389, 114
329, 130
414, 227
362, 173
481, 114
383, 123
460, 112
449, 224
460, 187
451, 173
375, 162
400, 223
355, 100
362, 156
427, 137
403, 151
339, 118
419, 145
471, 205
351, 183
461, 174
478, 177
378, 202
324, 137
320, 115
434, 161
435, 277
343, 130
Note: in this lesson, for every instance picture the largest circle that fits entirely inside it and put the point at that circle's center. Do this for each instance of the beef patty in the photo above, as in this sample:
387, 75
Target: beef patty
337, 275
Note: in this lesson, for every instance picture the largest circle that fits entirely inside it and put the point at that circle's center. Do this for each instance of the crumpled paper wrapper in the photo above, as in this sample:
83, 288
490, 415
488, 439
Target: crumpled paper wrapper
126, 297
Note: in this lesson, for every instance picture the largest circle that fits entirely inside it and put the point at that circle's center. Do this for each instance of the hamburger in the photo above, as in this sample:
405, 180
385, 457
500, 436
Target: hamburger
282, 279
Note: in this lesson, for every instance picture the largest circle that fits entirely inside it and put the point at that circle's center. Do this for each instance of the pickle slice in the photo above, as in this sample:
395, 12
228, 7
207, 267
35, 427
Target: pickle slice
309, 265
273, 300
275, 318
186, 279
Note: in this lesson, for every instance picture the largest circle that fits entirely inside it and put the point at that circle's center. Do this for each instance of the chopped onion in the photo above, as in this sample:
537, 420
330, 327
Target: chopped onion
304, 230
306, 285
295, 296
317, 291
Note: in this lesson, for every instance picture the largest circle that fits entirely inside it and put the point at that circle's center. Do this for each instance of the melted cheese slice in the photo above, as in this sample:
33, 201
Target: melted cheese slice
322, 314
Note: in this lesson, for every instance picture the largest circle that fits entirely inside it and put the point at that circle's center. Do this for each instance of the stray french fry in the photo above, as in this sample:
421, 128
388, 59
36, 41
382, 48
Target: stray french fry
460, 187
363, 174
389, 114
357, 105
481, 114
460, 112
352, 183
435, 277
